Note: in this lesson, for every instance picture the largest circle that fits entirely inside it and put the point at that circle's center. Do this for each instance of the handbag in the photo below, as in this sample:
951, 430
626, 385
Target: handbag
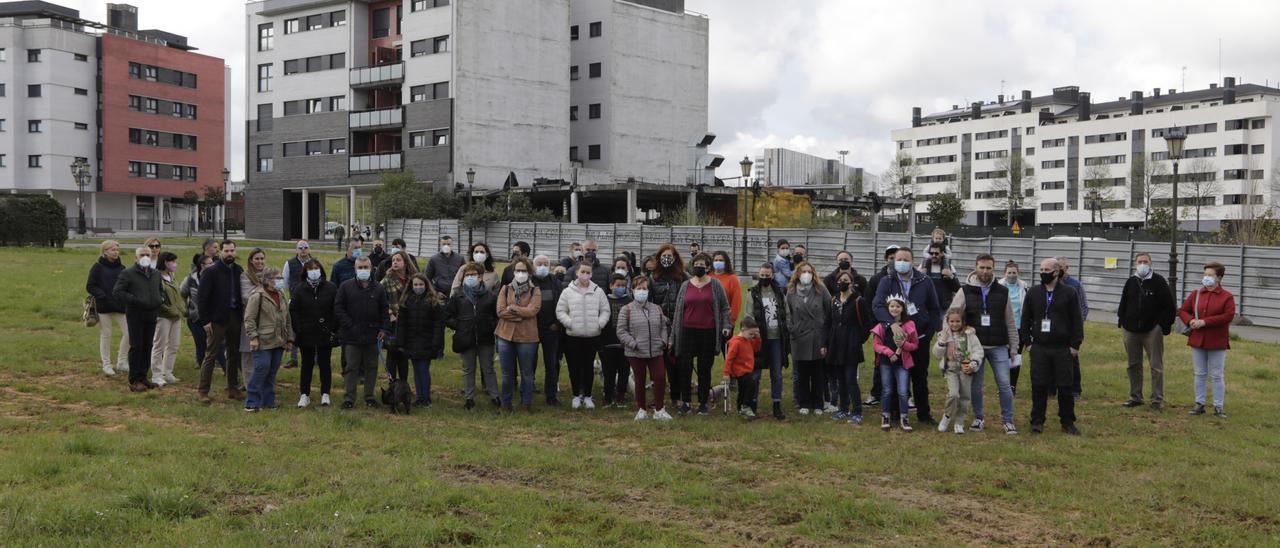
90, 314
1195, 309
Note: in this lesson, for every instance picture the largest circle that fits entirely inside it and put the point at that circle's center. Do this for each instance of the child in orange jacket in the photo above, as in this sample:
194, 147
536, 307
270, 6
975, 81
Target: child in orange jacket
740, 362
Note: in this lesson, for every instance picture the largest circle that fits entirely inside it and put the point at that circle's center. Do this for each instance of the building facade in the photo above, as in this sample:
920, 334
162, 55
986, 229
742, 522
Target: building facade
145, 111
340, 92
790, 168
1107, 162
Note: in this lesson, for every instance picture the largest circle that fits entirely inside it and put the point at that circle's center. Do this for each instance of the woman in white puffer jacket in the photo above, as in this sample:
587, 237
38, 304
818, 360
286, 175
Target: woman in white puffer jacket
583, 310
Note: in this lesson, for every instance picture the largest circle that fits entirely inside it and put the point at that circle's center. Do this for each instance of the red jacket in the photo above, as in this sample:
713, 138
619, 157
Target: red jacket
741, 358
1217, 309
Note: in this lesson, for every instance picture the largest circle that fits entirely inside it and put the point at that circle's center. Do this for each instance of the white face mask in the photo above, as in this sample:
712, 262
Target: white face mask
1144, 269
641, 295
145, 262
621, 272
479, 257
313, 275
446, 249
806, 278
521, 277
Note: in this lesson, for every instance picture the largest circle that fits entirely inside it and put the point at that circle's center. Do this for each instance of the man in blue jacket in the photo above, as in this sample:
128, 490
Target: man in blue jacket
924, 310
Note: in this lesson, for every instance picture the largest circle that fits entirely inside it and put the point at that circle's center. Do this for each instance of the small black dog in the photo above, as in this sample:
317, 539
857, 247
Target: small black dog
399, 395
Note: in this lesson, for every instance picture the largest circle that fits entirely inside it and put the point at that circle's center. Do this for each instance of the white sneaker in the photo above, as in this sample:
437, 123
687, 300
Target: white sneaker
169, 378
804, 410
586, 402
577, 402
642, 415
945, 423
158, 381
324, 400
817, 412
830, 408
304, 401
108, 371
978, 425
911, 402
959, 428
661, 415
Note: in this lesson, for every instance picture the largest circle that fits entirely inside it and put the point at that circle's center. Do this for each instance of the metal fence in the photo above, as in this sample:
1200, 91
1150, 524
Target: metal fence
1103, 266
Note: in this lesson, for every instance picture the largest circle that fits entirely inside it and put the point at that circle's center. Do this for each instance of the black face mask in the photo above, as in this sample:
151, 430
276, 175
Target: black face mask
765, 280
377, 249
844, 286
1048, 277
699, 271
797, 258
845, 265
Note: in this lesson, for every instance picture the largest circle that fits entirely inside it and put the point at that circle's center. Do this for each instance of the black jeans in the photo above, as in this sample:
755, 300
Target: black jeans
812, 384
1051, 366
700, 345
142, 332
614, 372
580, 353
747, 391
848, 395
311, 356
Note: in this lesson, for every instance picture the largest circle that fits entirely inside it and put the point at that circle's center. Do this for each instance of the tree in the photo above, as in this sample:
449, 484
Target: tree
1011, 188
399, 196
191, 199
1257, 223
1146, 179
946, 208
1201, 180
1097, 178
521, 209
900, 179
1160, 223
214, 197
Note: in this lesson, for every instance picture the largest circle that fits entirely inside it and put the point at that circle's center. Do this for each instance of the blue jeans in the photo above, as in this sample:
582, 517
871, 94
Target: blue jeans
262, 385
998, 357
894, 376
771, 349
508, 354
550, 342
422, 379
1210, 364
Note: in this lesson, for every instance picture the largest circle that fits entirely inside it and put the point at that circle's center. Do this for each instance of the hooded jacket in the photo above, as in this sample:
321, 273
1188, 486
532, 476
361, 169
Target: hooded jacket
583, 313
102, 284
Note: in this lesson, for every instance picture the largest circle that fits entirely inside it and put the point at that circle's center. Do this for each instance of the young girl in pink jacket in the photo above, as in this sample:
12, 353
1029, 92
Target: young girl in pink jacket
893, 345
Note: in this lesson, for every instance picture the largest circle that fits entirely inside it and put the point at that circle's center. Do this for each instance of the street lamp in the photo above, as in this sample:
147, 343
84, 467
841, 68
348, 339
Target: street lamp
226, 178
1174, 137
471, 180
80, 172
746, 172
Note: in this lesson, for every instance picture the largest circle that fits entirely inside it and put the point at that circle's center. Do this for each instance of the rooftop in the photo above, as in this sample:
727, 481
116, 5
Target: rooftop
69, 19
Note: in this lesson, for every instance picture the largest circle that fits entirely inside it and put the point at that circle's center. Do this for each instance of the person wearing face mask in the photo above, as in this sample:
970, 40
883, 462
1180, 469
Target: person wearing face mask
614, 370
722, 271
293, 275
782, 265
518, 250
472, 314
700, 329
518, 305
1074, 283
396, 284
315, 330
575, 255
844, 263
222, 315
443, 267
600, 273
420, 333
378, 255
808, 311
583, 310
1017, 295
1053, 329
644, 333
550, 332
939, 269
480, 254
1145, 316
397, 245
270, 330
847, 330
621, 267
100, 285
799, 254
925, 312
168, 337
362, 311
768, 307
190, 292
140, 289
250, 281
1207, 313
869, 295
345, 268
987, 309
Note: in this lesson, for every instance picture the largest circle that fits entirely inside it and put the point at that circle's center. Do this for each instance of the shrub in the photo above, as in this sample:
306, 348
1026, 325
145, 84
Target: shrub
30, 219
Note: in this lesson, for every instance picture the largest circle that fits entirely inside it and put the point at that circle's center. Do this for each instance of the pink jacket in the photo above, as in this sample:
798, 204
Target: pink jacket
907, 347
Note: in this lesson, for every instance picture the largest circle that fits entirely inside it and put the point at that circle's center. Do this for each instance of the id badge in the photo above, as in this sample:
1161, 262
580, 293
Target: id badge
911, 309
1044, 325
986, 320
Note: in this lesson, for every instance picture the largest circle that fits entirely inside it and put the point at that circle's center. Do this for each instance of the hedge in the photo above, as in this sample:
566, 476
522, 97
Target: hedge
32, 219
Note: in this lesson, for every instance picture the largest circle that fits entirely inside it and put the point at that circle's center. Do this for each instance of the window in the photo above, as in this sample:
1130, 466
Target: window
313, 64
337, 103
291, 67
573, 113
135, 136
33, 56
991, 154
1256, 174
1105, 160
293, 149
1000, 134
1234, 174
593, 111
4, 54
573, 72
265, 161
152, 106
338, 60
1256, 149
151, 138
33, 126
191, 112
80, 57
33, 90
292, 108
337, 146
593, 152
150, 73
573, 32
1053, 185
190, 173
3, 161
175, 110
315, 148
1031, 151
135, 169
417, 139
382, 23
573, 154
1232, 150
314, 106
315, 22
594, 70
440, 137
266, 36
151, 171
338, 18
440, 44
265, 117
596, 29
135, 103
1050, 143
175, 172
264, 77
3, 125
1232, 125
1257, 124
33, 160
291, 26
80, 91
419, 5
1053, 206
1051, 164
417, 94
82, 126
2, 90
440, 90
418, 48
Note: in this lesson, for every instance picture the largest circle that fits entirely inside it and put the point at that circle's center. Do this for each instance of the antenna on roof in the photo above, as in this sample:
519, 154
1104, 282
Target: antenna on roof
1184, 78
1001, 88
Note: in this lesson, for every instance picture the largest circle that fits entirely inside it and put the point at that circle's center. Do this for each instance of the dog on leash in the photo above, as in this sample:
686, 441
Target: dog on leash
399, 395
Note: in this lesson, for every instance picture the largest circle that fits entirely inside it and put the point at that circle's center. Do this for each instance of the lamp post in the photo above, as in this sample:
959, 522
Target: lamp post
226, 178
471, 180
1174, 137
80, 172
746, 172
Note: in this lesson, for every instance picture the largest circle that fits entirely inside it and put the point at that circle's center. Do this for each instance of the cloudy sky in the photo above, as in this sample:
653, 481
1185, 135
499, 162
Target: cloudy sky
826, 75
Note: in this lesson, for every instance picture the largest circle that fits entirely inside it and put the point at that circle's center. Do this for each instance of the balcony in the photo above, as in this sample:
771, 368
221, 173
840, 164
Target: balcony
381, 75
371, 163
368, 120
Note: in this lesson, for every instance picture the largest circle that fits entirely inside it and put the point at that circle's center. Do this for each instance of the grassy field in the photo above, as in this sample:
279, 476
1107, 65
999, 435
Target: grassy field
82, 460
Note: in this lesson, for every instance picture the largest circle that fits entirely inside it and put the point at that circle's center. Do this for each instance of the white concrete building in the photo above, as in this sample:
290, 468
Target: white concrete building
1070, 145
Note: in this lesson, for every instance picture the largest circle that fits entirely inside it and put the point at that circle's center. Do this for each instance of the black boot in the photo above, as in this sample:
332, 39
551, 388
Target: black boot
777, 411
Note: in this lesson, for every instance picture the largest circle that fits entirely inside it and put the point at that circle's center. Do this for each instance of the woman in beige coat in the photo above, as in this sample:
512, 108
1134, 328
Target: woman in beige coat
270, 333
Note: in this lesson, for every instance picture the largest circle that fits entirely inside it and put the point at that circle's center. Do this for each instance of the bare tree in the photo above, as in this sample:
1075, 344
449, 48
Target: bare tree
1146, 178
1201, 182
900, 179
1255, 214
1011, 188
1097, 178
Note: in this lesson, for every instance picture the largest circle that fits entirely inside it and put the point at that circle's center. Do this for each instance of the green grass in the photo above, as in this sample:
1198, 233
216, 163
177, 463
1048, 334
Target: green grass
82, 460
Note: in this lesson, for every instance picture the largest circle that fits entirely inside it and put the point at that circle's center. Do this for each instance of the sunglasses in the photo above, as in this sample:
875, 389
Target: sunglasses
154, 246
303, 247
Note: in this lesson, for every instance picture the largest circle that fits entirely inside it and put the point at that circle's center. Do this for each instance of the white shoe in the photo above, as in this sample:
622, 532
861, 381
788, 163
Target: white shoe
959, 428
108, 371
830, 408
978, 425
304, 401
911, 402
642, 415
158, 381
817, 412
804, 410
586, 402
661, 415
324, 400
945, 423
169, 378
577, 402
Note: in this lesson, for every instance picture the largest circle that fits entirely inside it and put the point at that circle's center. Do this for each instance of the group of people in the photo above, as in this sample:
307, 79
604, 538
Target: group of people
654, 321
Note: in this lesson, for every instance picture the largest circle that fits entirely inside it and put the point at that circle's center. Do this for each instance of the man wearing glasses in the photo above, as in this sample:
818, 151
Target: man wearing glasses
938, 269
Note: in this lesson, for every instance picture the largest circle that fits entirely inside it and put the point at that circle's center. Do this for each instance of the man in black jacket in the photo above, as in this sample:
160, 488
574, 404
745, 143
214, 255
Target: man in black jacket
361, 309
1053, 327
221, 314
1146, 316
138, 289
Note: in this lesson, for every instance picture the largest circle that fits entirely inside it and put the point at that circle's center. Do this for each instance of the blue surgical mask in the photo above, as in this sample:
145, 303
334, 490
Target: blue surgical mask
1209, 281
279, 285
313, 275
419, 290
395, 250
471, 281
357, 253
1144, 269
642, 295
902, 267
541, 271
363, 275
619, 292
718, 265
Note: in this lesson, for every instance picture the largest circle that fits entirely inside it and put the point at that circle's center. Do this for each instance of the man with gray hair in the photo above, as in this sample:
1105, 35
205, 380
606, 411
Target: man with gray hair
139, 289
1075, 284
362, 312
1145, 316
1053, 328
